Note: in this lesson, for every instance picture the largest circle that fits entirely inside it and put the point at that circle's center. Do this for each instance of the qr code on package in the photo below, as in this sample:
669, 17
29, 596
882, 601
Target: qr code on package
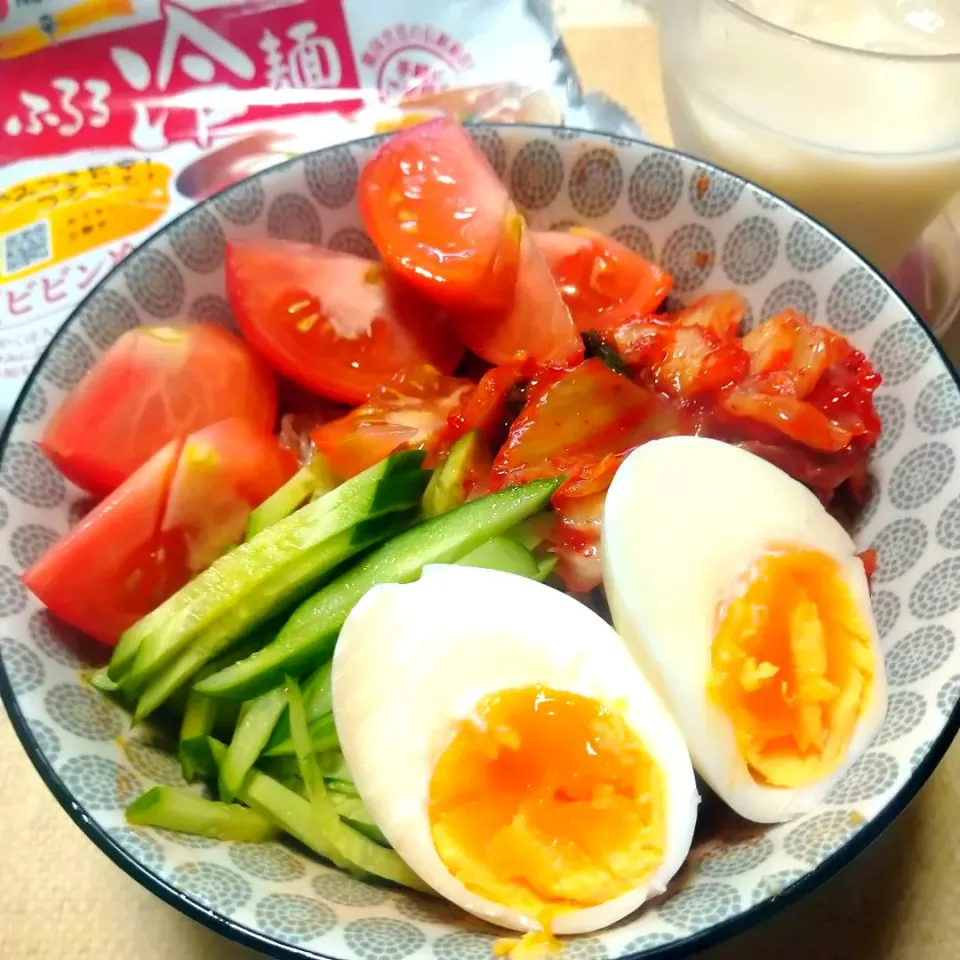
26, 248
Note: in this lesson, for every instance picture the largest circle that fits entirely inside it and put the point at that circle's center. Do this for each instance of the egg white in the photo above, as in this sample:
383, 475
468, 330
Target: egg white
684, 518
413, 661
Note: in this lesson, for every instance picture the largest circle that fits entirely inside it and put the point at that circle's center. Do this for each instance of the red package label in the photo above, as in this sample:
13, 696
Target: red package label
118, 115
188, 75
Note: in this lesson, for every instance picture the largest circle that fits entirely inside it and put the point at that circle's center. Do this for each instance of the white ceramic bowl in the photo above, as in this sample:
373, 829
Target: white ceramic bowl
731, 234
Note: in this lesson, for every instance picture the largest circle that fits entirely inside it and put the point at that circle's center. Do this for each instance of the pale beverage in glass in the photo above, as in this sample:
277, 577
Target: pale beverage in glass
848, 108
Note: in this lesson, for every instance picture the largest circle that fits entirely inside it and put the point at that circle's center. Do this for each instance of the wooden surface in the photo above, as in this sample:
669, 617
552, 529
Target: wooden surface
61, 898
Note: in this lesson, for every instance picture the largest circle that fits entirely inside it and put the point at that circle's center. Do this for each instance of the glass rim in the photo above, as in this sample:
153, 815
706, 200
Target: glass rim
879, 55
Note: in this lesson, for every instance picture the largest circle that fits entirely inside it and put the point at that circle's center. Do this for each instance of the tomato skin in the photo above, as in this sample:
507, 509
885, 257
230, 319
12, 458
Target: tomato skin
441, 218
334, 323
536, 328
407, 412
443, 221
116, 564
165, 522
224, 471
152, 385
602, 282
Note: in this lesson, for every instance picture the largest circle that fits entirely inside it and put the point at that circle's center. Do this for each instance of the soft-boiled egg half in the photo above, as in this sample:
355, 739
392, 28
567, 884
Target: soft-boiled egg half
745, 604
510, 751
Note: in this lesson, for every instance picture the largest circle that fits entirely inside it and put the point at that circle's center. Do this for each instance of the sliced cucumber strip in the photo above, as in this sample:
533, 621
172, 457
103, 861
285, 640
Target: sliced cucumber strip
504, 554
447, 487
278, 594
531, 532
545, 567
185, 812
310, 482
310, 634
297, 816
323, 736
353, 846
299, 560
317, 700
302, 743
252, 733
199, 719
354, 812
281, 806
374, 492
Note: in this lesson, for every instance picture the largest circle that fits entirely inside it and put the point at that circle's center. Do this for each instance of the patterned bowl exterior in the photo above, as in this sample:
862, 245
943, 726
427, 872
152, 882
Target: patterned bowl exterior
712, 231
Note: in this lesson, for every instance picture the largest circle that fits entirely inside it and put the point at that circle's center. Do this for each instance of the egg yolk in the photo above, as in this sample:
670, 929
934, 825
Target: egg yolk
792, 667
546, 802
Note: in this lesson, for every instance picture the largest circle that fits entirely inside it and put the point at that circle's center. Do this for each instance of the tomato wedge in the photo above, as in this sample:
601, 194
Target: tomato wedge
537, 326
408, 412
334, 323
224, 471
153, 385
441, 218
117, 564
178, 511
602, 282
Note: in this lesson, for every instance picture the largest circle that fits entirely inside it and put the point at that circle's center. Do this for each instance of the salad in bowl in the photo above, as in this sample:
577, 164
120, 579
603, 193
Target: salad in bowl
534, 540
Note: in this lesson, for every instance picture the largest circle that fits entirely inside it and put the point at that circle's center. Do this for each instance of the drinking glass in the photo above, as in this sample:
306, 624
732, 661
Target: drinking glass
865, 140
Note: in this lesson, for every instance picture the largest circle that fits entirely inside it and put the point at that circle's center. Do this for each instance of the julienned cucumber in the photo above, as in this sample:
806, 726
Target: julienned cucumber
297, 816
355, 848
353, 810
185, 812
309, 483
545, 567
335, 769
280, 805
531, 532
307, 763
374, 492
202, 715
252, 733
447, 487
232, 579
502, 553
323, 736
317, 701
310, 634
277, 595
199, 718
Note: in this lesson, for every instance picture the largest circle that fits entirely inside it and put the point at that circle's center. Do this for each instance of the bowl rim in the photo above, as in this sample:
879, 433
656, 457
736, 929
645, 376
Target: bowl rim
683, 945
